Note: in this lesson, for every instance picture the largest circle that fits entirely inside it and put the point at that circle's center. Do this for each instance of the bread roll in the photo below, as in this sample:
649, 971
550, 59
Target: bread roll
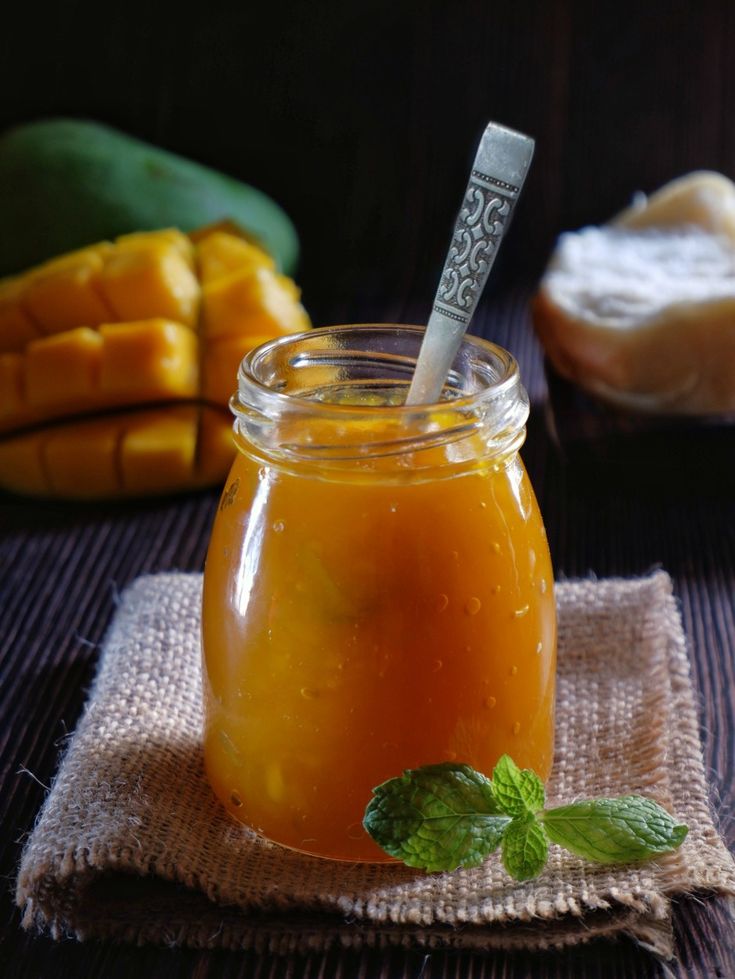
641, 311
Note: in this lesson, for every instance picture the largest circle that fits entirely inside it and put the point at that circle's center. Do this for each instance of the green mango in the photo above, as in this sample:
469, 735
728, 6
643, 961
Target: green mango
65, 183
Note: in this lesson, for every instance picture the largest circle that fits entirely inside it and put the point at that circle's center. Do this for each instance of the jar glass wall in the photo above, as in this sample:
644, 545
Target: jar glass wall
378, 590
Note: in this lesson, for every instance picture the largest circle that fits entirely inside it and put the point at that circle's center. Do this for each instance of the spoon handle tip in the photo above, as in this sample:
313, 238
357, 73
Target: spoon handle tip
496, 179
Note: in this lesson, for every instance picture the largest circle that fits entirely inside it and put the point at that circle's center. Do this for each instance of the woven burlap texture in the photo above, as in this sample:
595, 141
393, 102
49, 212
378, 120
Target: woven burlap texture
132, 845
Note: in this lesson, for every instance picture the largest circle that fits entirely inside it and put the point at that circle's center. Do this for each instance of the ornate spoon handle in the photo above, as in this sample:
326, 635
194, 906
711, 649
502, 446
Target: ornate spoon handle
500, 167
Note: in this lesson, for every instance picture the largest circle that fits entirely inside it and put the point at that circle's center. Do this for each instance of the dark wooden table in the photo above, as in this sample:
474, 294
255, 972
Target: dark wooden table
63, 565
360, 119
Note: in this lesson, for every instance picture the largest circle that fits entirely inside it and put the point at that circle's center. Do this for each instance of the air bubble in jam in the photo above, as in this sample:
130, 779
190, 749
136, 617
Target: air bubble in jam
442, 603
542, 586
437, 665
490, 702
520, 612
235, 799
513, 670
496, 547
473, 605
517, 727
279, 526
308, 694
539, 648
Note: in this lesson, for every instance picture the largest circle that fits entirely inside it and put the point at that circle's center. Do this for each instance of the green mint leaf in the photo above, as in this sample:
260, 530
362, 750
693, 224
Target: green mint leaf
614, 830
525, 848
438, 817
517, 792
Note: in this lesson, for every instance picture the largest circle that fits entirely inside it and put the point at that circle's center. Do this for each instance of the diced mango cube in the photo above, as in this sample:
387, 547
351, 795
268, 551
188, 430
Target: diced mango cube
155, 359
63, 369
257, 303
215, 446
219, 370
21, 464
128, 453
158, 450
105, 388
81, 459
165, 236
149, 281
11, 385
16, 326
220, 254
65, 293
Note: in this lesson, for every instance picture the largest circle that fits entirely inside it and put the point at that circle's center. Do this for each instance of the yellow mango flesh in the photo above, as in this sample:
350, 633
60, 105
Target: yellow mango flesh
61, 369
66, 292
220, 254
155, 280
154, 451
151, 359
11, 386
129, 453
16, 327
165, 237
90, 447
117, 362
255, 301
86, 370
222, 354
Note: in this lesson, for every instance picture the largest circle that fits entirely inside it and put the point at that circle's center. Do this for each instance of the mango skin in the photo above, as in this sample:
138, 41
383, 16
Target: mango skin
65, 183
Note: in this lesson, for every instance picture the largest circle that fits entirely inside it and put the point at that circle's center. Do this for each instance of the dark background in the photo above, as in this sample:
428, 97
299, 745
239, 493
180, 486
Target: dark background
361, 120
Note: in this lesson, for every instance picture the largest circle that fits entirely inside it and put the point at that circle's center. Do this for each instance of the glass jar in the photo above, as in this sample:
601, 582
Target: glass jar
378, 591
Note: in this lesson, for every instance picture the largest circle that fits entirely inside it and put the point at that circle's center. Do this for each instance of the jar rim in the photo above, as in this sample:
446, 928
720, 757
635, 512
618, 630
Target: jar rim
250, 382
336, 370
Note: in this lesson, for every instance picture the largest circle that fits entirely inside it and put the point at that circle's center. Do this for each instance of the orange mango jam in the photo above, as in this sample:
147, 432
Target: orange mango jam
356, 626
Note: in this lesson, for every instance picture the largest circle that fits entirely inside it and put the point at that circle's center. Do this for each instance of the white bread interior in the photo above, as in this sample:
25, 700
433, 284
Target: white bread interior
641, 311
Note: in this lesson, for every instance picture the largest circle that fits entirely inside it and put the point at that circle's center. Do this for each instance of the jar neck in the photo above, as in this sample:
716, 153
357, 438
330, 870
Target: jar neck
333, 399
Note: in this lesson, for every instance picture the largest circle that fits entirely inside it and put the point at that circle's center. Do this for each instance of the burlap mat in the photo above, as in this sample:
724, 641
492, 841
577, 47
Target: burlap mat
132, 845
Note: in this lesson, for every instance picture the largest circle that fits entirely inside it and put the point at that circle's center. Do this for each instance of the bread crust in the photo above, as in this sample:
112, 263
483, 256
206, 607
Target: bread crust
680, 362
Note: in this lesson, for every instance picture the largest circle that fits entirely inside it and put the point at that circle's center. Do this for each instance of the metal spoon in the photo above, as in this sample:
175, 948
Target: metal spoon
497, 176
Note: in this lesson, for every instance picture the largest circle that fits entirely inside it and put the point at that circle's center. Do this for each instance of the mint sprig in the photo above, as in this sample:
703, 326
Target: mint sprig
438, 817
519, 792
441, 817
525, 848
614, 830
